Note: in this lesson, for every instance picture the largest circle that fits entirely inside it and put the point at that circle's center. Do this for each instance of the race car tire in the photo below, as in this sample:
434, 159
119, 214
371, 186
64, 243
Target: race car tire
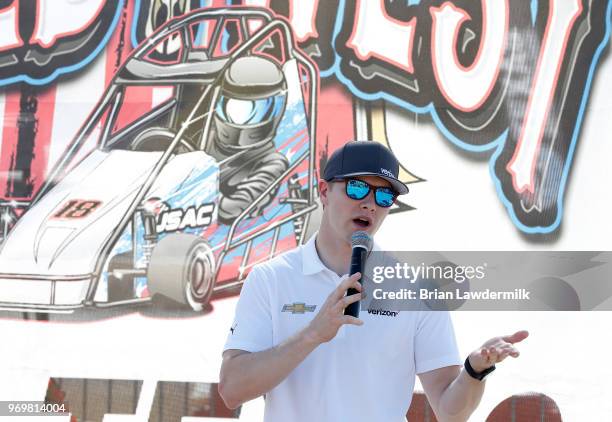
182, 269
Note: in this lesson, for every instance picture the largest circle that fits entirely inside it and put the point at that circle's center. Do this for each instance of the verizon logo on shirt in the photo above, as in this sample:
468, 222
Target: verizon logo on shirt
382, 312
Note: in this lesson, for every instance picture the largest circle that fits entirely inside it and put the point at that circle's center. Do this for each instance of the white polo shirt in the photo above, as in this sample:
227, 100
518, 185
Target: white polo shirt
366, 373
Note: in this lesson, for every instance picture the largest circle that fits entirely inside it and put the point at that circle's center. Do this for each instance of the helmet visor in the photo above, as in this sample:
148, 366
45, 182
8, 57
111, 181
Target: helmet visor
249, 112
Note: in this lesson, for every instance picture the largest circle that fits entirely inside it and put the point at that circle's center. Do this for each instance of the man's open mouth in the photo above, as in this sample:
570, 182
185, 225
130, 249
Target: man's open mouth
362, 222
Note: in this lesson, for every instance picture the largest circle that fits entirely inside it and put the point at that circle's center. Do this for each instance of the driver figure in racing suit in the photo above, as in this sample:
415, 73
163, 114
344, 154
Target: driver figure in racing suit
247, 114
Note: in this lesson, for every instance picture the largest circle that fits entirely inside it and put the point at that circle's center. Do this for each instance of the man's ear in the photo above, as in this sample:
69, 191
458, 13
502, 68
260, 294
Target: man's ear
324, 188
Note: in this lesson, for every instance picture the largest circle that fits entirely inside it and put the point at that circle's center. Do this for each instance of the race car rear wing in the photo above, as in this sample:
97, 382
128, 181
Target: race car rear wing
138, 71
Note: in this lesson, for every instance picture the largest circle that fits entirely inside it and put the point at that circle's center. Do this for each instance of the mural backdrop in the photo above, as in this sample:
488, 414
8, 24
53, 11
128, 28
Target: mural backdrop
153, 151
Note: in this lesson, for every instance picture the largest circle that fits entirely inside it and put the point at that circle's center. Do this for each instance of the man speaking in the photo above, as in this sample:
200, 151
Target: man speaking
292, 342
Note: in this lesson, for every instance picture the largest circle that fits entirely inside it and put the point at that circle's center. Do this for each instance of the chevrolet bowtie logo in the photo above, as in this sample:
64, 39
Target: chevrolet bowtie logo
298, 308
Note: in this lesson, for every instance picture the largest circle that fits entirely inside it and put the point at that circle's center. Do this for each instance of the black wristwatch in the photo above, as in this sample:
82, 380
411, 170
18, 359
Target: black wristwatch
476, 375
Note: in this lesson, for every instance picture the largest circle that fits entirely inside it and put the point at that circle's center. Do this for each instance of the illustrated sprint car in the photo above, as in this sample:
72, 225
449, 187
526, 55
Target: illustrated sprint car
196, 164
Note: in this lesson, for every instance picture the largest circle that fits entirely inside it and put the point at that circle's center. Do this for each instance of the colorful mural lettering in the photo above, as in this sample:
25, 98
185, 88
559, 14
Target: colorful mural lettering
36, 47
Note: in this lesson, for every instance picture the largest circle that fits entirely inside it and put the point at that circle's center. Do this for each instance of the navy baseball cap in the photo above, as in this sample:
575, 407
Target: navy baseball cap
364, 158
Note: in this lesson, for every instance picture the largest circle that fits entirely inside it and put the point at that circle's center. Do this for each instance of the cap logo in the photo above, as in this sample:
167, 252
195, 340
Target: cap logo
386, 172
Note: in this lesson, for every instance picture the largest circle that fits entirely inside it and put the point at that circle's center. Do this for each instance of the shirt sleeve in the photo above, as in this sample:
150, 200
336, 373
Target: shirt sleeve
435, 344
251, 329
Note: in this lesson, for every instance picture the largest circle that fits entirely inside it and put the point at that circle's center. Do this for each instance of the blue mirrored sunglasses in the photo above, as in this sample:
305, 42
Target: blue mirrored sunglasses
358, 189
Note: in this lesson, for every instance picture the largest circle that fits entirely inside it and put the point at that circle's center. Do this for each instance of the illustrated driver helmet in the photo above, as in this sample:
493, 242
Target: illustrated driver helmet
252, 101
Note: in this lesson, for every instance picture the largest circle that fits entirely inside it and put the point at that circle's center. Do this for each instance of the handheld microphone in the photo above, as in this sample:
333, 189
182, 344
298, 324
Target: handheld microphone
362, 244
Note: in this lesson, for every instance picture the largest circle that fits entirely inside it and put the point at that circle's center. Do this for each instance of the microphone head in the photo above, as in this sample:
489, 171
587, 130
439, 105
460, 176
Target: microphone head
361, 239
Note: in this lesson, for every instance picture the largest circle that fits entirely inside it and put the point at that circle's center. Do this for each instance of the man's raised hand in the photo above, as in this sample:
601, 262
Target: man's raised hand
496, 350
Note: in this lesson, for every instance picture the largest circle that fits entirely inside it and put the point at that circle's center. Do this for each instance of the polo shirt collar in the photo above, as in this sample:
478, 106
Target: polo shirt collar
311, 263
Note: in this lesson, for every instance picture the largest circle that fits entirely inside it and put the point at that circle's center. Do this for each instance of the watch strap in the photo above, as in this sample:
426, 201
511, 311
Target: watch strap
476, 375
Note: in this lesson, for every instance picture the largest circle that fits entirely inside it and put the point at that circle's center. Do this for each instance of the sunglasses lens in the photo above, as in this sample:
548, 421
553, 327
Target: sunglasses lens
384, 197
356, 189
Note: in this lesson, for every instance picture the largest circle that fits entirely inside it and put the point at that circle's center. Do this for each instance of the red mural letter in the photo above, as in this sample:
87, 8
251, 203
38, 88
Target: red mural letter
467, 88
562, 16
255, 25
302, 15
61, 18
9, 22
373, 31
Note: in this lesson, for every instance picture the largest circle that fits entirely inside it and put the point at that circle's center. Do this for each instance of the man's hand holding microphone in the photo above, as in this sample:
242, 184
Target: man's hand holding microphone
342, 305
327, 322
